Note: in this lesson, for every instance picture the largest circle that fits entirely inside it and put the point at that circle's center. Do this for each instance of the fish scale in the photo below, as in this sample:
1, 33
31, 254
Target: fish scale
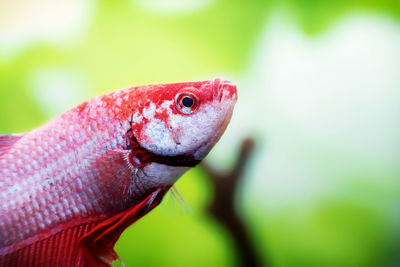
35, 188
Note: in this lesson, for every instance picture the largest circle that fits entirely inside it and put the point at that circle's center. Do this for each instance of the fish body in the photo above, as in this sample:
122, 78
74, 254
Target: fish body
70, 187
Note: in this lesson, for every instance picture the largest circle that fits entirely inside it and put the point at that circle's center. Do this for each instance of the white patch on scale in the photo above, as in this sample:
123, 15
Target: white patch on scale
137, 117
157, 132
149, 112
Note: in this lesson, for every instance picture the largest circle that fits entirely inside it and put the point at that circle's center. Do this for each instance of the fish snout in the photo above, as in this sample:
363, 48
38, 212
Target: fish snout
224, 88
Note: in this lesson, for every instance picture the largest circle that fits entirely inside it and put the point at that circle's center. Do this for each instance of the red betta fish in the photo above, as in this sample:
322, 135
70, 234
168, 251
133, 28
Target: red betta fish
69, 188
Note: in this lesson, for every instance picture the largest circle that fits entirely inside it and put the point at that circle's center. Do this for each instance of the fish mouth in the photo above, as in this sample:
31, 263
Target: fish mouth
145, 156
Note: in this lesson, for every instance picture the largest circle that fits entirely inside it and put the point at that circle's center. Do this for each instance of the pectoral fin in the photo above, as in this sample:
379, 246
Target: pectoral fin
98, 244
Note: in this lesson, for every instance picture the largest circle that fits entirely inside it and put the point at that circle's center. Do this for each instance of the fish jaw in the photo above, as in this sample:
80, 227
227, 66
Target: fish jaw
163, 174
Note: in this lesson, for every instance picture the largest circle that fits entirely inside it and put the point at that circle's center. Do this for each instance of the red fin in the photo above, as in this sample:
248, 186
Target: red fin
7, 141
98, 244
61, 249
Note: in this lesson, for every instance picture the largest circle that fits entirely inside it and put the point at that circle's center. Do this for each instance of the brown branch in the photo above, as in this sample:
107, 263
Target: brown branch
223, 208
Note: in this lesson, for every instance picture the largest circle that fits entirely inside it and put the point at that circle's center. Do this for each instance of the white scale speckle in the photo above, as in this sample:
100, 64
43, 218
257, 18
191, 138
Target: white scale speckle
159, 135
119, 101
166, 105
149, 112
137, 117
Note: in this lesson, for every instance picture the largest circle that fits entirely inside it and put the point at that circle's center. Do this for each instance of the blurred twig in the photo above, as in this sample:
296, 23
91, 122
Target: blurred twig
223, 208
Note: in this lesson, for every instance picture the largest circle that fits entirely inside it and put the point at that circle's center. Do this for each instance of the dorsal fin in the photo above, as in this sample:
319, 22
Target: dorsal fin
7, 141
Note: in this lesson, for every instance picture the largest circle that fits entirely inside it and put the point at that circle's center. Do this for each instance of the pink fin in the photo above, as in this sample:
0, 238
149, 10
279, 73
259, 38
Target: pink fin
7, 141
85, 245
98, 244
61, 249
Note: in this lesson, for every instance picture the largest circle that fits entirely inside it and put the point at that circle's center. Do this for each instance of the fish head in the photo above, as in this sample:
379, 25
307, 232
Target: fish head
183, 121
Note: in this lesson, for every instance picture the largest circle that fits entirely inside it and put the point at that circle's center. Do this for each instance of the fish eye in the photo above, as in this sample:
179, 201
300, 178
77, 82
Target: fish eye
187, 102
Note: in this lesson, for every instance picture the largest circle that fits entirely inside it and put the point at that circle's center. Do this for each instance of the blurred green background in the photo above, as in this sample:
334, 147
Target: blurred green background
319, 90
